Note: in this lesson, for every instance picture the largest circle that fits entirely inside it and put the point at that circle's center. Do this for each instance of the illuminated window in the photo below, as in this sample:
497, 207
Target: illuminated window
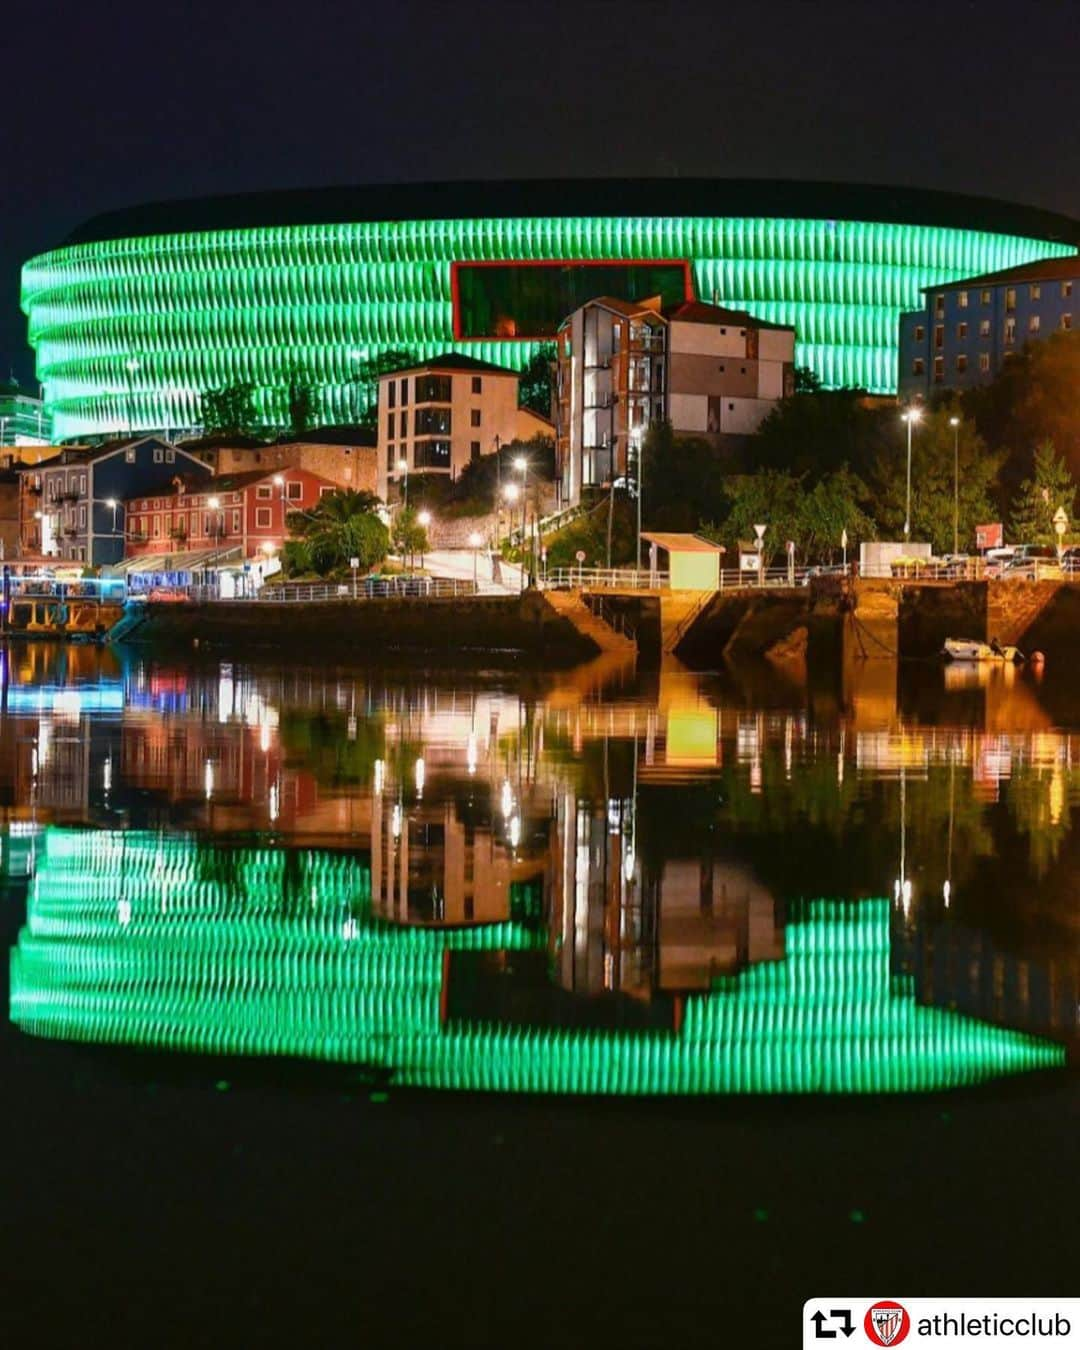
961, 362
1010, 330
432, 454
1034, 323
1066, 288
1010, 297
1035, 291
962, 299
984, 362
984, 328
986, 297
1066, 321
431, 422
920, 335
961, 331
433, 388
939, 305
939, 369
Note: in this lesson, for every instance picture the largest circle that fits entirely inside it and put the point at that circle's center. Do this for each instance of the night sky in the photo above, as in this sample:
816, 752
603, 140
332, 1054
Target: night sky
110, 104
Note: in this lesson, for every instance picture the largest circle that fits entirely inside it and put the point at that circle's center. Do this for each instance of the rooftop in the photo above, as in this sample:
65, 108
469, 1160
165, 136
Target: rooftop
1044, 269
681, 543
735, 197
451, 361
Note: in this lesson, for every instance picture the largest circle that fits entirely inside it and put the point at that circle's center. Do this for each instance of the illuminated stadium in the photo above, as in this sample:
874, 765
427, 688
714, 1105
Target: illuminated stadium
143, 309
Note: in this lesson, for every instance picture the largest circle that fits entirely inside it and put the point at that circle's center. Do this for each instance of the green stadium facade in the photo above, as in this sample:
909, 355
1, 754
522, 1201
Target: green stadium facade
142, 310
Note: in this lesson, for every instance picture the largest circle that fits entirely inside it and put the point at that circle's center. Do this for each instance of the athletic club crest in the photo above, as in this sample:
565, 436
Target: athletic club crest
886, 1323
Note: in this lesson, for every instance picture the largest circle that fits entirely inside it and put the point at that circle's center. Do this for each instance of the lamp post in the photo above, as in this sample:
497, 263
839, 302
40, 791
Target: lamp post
911, 416
510, 492
522, 466
954, 422
131, 365
403, 469
215, 505
474, 543
112, 504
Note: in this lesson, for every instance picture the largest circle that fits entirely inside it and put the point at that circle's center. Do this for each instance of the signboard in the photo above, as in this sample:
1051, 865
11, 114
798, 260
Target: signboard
989, 536
580, 555
749, 562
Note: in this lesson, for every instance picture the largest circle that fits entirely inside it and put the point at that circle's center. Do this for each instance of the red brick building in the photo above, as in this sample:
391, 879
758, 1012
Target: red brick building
242, 513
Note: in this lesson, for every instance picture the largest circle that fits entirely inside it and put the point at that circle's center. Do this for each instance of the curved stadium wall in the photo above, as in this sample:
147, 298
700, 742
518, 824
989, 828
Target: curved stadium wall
202, 308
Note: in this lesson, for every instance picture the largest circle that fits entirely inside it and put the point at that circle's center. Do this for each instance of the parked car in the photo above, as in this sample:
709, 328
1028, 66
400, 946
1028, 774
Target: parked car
1031, 561
1070, 562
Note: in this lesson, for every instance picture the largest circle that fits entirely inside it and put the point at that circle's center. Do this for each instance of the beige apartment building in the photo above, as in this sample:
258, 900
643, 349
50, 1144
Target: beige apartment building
622, 365
348, 464
440, 416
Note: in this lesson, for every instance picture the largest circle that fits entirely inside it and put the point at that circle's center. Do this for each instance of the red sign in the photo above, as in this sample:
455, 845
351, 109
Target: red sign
989, 536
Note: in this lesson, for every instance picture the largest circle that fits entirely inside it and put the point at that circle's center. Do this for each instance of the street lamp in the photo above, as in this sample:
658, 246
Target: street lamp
112, 504
954, 422
511, 492
215, 505
403, 468
911, 416
474, 543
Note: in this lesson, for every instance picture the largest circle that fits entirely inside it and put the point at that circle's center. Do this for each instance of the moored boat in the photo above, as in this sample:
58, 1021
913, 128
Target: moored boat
971, 649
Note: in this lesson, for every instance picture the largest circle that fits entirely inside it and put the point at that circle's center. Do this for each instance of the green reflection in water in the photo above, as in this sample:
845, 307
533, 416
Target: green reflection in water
171, 942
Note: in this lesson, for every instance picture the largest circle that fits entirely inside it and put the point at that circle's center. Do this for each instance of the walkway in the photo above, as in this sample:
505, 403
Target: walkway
458, 563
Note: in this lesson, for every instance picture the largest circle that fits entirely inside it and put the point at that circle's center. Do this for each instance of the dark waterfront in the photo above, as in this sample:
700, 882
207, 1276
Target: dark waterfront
394, 1007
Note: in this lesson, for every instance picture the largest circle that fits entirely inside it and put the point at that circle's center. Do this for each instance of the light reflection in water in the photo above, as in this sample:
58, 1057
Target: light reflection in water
611, 891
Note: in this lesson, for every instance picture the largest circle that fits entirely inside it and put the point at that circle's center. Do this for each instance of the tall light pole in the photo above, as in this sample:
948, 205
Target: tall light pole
215, 505
911, 416
112, 504
510, 492
954, 422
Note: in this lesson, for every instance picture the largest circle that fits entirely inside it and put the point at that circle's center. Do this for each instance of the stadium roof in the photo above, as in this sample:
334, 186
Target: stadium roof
644, 197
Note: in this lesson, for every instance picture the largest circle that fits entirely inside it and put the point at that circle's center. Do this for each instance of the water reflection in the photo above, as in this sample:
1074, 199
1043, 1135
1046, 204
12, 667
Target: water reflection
574, 890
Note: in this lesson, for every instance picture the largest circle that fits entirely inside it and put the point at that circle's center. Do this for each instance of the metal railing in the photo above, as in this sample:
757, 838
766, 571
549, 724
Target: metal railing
608, 578
616, 620
388, 588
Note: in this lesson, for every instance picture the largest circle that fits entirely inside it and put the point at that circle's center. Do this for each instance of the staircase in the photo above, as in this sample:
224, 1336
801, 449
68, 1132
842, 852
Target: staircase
678, 611
571, 606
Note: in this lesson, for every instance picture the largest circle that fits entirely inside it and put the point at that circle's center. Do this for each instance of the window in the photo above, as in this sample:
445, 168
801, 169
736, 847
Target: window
939, 336
984, 328
961, 331
431, 422
1010, 330
82, 516
390, 461
1010, 297
263, 492
939, 369
474, 449
403, 424
920, 335
939, 305
742, 370
433, 388
961, 362
389, 424
170, 456
1066, 321
474, 417
731, 407
82, 482
984, 362
159, 455
262, 517
294, 490
477, 384
236, 522
962, 299
157, 527
129, 455
391, 393
918, 366
1066, 289
404, 392
325, 490
1035, 291
985, 297
1033, 323
432, 454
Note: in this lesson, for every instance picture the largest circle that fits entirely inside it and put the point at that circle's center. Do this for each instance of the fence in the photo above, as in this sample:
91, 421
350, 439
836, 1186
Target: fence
389, 588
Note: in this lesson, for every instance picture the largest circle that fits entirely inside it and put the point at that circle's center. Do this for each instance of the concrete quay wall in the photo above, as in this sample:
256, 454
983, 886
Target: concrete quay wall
497, 630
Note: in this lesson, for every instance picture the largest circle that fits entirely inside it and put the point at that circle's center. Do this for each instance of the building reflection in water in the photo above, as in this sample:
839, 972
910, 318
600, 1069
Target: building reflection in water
629, 865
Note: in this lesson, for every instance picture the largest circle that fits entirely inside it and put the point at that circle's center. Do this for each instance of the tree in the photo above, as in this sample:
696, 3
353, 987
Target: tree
684, 479
302, 403
817, 433
832, 507
410, 537
229, 410
344, 525
933, 482
807, 380
1050, 488
537, 379
366, 378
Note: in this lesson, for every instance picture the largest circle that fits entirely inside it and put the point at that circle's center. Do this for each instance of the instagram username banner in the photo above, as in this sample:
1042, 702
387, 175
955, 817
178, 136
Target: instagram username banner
858, 1322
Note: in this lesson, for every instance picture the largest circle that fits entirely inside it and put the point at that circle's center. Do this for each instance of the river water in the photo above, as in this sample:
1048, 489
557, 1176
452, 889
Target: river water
585, 883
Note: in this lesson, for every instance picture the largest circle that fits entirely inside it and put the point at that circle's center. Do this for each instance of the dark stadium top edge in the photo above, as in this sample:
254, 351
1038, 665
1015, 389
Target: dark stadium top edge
580, 197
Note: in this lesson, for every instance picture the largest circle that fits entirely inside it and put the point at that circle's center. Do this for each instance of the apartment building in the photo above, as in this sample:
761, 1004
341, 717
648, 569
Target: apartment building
966, 329
440, 416
711, 372
347, 456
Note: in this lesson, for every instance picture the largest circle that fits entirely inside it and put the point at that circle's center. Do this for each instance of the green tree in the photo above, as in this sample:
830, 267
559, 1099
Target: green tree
302, 403
368, 372
684, 479
834, 505
807, 380
1050, 488
818, 433
229, 410
933, 482
775, 500
410, 537
537, 380
344, 525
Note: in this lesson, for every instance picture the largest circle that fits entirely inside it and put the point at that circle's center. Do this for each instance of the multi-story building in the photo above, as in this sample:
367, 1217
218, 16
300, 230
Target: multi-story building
80, 493
710, 371
240, 515
967, 329
440, 416
22, 418
347, 456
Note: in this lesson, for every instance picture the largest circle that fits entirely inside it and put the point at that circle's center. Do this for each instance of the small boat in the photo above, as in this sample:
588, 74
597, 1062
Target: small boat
970, 649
